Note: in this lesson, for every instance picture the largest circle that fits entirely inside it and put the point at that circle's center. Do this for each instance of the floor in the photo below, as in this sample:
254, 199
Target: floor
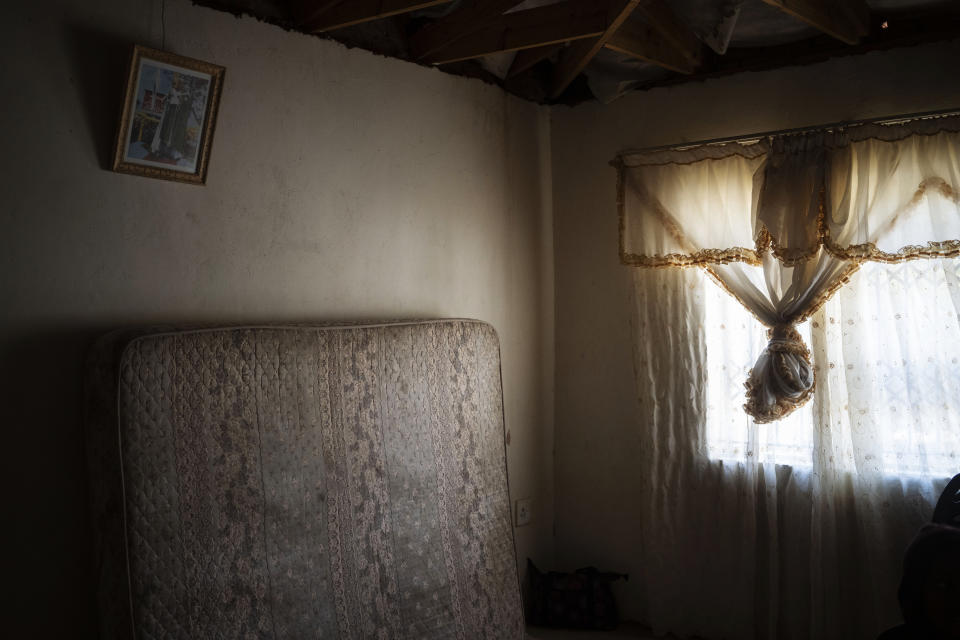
626, 631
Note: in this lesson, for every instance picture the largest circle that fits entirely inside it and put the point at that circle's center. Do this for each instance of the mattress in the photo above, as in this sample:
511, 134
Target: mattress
302, 482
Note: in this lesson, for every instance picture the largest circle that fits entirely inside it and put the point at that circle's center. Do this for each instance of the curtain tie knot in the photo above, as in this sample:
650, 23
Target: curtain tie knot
782, 379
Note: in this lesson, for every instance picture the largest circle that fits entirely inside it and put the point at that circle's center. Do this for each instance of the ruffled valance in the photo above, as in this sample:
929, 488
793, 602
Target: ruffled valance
782, 221
883, 192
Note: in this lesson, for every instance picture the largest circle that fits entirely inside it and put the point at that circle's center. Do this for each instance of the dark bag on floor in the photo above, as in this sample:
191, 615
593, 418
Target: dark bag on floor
579, 600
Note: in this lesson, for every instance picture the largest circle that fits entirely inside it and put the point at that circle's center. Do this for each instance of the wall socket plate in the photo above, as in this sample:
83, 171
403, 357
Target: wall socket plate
523, 512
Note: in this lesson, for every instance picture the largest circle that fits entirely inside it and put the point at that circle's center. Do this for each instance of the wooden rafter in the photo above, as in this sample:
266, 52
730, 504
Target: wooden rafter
659, 15
907, 28
527, 58
551, 24
846, 20
656, 35
336, 15
579, 54
308, 11
645, 44
467, 19
839, 22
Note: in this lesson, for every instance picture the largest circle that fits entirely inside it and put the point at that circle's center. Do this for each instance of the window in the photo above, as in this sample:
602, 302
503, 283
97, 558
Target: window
734, 340
887, 357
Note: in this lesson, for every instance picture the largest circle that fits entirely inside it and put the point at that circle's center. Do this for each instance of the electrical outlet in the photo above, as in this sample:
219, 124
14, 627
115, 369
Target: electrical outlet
523, 512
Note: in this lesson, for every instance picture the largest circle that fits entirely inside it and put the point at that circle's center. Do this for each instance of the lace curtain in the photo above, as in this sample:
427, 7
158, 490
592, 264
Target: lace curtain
794, 529
889, 352
783, 222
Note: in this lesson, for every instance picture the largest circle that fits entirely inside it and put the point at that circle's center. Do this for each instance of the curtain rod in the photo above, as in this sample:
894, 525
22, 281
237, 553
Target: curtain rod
781, 132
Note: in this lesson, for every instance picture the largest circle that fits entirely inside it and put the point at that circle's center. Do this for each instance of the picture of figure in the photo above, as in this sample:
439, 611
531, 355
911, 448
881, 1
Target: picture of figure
170, 138
168, 116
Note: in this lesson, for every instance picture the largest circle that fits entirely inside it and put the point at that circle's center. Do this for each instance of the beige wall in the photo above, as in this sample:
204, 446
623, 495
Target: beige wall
596, 426
342, 185
345, 185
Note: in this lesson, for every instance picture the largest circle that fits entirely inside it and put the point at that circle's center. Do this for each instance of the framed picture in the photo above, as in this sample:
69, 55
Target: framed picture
169, 113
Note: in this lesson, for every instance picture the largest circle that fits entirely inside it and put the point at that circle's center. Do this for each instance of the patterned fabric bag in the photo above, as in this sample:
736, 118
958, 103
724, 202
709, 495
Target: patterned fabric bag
579, 600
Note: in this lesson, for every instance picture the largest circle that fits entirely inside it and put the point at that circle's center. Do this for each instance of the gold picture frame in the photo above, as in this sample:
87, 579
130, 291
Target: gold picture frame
168, 118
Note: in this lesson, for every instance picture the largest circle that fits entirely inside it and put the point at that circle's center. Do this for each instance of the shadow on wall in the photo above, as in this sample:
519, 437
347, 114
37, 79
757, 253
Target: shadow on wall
41, 374
100, 61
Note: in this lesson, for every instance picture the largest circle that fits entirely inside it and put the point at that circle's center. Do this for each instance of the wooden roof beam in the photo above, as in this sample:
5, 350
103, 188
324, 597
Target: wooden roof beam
528, 58
466, 19
336, 15
656, 35
307, 11
675, 32
846, 20
551, 24
647, 46
576, 57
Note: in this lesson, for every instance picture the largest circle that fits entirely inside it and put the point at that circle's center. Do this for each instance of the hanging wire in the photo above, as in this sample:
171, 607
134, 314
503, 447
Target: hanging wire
163, 25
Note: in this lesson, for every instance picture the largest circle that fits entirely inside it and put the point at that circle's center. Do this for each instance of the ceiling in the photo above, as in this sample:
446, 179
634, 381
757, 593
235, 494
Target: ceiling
569, 51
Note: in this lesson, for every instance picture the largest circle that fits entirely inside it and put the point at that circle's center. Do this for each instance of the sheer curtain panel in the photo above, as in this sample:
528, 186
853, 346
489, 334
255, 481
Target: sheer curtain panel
795, 529
783, 475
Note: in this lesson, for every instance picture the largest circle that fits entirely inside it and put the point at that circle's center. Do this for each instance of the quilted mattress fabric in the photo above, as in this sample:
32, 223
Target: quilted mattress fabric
303, 482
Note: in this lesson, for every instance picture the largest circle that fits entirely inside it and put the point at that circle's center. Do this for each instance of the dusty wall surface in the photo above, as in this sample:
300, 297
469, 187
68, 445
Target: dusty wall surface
342, 185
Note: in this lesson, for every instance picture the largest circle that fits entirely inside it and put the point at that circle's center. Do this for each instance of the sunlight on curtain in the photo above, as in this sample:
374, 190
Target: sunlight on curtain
804, 539
893, 342
808, 207
887, 354
734, 341
787, 518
